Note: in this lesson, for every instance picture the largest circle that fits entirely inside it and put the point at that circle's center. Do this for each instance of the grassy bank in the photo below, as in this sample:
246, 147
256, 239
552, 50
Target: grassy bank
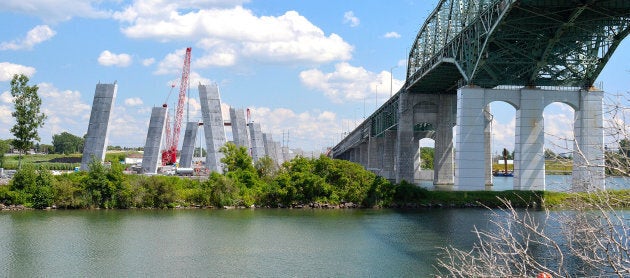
297, 183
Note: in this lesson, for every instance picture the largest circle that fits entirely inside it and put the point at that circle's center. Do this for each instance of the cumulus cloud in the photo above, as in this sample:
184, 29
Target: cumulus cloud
350, 83
65, 111
314, 129
33, 37
111, 59
7, 70
134, 101
349, 18
391, 35
6, 97
558, 121
57, 10
229, 34
148, 62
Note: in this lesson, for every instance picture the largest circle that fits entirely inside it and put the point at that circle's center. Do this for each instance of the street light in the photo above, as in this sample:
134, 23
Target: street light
391, 80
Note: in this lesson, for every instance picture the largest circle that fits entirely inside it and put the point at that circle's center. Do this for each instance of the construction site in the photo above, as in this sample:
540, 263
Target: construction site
162, 152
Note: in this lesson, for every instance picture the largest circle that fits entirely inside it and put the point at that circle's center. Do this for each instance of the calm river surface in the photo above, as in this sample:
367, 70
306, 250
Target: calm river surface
230, 243
236, 243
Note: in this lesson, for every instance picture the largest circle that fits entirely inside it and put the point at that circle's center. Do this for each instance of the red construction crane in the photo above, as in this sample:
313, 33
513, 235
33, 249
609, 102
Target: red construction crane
169, 154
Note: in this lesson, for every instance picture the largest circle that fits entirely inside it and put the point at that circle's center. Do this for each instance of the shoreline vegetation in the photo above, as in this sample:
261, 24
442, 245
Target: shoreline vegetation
302, 183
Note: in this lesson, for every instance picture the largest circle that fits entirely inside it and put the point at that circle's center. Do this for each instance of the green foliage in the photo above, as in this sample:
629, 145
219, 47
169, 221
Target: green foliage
266, 168
43, 194
236, 158
27, 114
66, 143
427, 155
97, 184
25, 179
4, 148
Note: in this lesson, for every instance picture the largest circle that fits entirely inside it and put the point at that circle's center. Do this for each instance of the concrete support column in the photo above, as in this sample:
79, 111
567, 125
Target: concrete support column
188, 146
375, 154
487, 134
443, 160
588, 150
153, 146
98, 130
406, 145
529, 159
363, 151
389, 155
213, 125
470, 145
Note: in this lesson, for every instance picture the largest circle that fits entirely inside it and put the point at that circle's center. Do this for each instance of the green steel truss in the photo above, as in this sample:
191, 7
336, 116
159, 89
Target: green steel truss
515, 42
489, 43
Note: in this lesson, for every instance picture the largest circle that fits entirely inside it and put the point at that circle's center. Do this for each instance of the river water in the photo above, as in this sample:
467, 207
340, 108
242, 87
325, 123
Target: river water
230, 243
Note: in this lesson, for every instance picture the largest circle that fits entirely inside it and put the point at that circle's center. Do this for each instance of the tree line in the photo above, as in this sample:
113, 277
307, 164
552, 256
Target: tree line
301, 181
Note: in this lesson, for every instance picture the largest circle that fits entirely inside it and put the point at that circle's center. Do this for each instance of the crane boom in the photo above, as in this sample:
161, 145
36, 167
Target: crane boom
183, 88
169, 156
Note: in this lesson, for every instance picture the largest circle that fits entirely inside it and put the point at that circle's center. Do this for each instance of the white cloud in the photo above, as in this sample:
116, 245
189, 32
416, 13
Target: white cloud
391, 35
6, 97
148, 62
312, 129
172, 63
134, 101
65, 111
55, 10
111, 59
35, 36
351, 19
229, 34
7, 70
349, 83
558, 121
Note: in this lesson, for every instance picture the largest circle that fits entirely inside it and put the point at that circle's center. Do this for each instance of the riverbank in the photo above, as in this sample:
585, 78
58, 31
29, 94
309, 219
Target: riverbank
425, 199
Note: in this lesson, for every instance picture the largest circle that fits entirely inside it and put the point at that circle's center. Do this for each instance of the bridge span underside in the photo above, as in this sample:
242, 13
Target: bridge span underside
468, 53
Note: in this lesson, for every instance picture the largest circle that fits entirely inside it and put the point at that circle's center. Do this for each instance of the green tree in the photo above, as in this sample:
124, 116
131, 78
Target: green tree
66, 143
43, 192
200, 152
266, 168
624, 147
97, 185
4, 148
27, 114
236, 158
426, 155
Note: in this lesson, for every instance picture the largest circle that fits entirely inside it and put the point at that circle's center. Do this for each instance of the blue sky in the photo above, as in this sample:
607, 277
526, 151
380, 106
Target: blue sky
310, 68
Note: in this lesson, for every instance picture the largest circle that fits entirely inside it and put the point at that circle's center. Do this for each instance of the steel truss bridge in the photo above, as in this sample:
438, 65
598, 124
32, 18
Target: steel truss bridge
490, 43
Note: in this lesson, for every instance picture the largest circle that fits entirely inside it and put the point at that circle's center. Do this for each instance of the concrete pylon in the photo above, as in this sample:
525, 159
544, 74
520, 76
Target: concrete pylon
256, 141
406, 145
529, 148
213, 125
153, 144
98, 129
239, 127
188, 146
470, 169
444, 152
588, 149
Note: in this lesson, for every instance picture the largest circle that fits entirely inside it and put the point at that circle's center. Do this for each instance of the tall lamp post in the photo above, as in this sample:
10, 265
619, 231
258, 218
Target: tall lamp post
391, 80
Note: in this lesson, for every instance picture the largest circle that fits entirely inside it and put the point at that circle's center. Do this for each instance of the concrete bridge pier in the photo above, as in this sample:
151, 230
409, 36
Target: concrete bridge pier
472, 140
471, 168
588, 149
444, 152
425, 116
